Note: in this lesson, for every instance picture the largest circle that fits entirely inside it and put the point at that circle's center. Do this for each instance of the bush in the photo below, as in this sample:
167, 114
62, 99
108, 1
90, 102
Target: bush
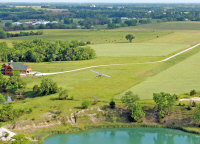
63, 95
112, 104
194, 104
189, 108
35, 89
193, 92
95, 100
47, 87
2, 99
20, 139
85, 104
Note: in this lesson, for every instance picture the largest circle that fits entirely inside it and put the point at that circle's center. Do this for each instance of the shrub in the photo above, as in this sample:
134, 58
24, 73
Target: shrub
196, 115
85, 104
2, 99
6, 134
47, 87
95, 101
129, 98
20, 139
193, 92
194, 104
35, 89
112, 104
63, 95
189, 108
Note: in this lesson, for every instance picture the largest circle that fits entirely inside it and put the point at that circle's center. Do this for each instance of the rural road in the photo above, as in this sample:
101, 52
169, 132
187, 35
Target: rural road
84, 68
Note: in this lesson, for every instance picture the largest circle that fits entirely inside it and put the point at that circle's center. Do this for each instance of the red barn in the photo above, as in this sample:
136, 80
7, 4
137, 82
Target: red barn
7, 68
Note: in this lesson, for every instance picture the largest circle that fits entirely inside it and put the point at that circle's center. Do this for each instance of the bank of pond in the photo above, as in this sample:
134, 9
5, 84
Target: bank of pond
126, 136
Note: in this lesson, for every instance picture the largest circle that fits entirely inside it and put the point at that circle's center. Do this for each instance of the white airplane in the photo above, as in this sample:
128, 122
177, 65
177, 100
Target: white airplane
100, 74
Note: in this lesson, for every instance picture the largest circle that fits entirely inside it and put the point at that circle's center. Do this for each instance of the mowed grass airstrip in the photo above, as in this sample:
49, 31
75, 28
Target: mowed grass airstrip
112, 48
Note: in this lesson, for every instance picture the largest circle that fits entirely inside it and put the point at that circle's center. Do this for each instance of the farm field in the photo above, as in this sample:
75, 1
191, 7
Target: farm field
137, 49
180, 78
112, 48
171, 26
95, 36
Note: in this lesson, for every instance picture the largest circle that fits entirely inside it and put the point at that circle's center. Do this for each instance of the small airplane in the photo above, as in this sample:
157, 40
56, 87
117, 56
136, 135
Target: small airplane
100, 74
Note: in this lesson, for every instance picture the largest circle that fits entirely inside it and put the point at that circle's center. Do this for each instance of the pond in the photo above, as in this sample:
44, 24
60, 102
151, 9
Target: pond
126, 136
8, 96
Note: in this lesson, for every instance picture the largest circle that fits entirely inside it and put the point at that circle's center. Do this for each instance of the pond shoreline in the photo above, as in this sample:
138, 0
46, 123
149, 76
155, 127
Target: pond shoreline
104, 126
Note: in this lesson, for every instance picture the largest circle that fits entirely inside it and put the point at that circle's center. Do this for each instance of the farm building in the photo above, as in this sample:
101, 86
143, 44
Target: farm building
7, 68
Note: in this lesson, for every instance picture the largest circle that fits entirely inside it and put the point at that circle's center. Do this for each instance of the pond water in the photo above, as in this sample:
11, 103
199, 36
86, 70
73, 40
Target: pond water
126, 136
9, 97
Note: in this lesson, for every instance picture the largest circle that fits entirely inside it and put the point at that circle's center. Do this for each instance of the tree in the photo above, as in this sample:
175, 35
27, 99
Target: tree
134, 108
130, 37
8, 24
6, 113
68, 21
15, 81
112, 104
129, 98
131, 22
20, 139
3, 34
47, 87
164, 103
136, 111
3, 81
2, 99
111, 26
196, 115
193, 92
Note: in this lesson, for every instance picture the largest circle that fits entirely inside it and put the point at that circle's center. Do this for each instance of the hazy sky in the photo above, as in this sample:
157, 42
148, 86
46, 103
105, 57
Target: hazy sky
110, 1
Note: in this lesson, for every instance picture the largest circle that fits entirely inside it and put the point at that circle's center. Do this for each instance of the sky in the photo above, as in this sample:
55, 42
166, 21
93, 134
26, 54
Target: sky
108, 1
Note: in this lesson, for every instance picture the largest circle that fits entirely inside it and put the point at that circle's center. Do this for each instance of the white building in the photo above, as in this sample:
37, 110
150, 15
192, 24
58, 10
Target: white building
16, 23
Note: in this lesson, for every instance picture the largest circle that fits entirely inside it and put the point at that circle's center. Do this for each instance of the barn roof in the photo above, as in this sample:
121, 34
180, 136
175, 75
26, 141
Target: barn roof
17, 66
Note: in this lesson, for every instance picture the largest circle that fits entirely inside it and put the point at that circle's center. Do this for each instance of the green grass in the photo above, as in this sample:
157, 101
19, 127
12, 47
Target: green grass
186, 25
137, 49
179, 37
95, 36
84, 84
180, 78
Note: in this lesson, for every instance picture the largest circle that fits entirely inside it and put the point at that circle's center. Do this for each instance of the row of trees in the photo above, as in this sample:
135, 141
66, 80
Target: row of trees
4, 35
44, 51
101, 15
42, 26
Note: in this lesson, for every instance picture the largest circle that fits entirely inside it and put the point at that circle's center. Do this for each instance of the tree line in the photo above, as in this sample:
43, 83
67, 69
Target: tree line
44, 51
87, 17
4, 35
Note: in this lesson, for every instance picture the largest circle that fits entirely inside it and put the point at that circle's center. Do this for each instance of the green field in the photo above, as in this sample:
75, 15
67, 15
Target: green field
84, 84
137, 49
180, 78
112, 48
95, 36
186, 25
179, 75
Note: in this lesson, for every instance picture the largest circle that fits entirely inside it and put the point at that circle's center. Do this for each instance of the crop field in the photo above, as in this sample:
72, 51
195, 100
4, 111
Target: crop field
180, 78
137, 49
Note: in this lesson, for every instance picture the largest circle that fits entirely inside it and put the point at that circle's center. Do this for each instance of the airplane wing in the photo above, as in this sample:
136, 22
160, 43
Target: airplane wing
95, 71
100, 73
105, 75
